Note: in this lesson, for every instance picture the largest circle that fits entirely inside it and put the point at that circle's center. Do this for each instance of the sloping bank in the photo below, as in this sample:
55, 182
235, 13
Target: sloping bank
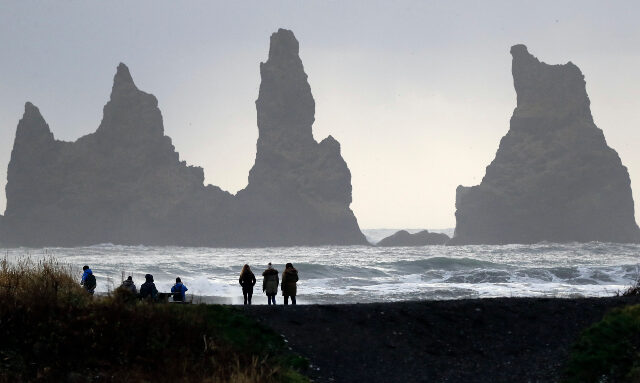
478, 340
52, 331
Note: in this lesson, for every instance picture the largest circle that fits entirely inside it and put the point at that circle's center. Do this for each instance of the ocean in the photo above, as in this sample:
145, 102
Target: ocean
362, 274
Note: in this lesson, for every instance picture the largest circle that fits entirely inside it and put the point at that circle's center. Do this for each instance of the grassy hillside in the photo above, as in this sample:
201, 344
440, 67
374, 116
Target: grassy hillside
52, 330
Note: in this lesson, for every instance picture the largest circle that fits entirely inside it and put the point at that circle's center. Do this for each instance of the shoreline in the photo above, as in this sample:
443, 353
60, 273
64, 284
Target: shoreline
261, 299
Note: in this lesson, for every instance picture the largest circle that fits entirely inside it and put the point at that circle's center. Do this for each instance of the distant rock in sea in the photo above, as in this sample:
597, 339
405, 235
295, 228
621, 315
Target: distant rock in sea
554, 178
422, 238
376, 235
125, 183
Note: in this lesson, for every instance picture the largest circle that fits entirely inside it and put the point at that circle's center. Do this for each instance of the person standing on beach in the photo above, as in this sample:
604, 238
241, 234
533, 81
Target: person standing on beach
247, 281
148, 289
178, 291
270, 283
88, 280
289, 280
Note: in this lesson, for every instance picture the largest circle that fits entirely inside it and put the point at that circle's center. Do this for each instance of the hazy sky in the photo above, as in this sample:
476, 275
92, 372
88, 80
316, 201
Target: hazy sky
418, 93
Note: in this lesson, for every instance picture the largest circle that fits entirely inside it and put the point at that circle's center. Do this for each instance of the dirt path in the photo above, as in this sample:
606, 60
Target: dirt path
480, 340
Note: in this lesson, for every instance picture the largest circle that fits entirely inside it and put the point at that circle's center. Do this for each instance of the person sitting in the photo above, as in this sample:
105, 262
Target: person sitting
148, 289
178, 291
289, 280
128, 285
247, 281
88, 280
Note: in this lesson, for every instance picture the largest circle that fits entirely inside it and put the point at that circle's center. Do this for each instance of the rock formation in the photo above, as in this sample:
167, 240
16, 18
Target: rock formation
125, 183
553, 178
294, 177
422, 238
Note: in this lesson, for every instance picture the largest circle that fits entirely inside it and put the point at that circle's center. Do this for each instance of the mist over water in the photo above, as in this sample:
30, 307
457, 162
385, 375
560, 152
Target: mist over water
368, 274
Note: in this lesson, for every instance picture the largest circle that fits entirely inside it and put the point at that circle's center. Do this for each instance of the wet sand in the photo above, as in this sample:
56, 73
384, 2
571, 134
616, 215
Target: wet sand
475, 340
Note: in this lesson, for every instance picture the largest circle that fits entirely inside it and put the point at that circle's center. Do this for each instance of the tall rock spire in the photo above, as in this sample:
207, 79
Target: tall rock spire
295, 180
285, 106
34, 149
554, 178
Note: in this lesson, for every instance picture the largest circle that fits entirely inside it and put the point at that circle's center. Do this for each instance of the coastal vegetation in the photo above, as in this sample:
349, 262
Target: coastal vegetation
52, 330
609, 350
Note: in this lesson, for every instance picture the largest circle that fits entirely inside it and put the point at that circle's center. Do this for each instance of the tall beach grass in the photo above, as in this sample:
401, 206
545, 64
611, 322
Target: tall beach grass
52, 330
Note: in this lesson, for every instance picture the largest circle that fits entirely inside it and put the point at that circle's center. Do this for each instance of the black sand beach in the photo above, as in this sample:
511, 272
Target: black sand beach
477, 340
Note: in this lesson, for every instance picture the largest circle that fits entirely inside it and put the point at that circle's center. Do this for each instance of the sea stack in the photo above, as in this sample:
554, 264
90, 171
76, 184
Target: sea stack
299, 190
554, 178
125, 183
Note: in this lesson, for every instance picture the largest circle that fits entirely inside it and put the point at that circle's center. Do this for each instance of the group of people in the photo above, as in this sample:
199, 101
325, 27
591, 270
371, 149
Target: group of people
148, 289
270, 283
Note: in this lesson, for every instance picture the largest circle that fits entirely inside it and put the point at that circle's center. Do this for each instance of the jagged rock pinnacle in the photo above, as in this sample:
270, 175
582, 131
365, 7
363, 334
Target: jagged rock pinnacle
283, 43
285, 105
289, 162
123, 75
30, 108
32, 124
130, 115
553, 178
122, 81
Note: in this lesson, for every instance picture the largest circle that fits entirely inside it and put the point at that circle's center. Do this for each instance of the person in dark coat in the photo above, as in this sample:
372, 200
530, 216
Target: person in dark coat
289, 280
247, 281
128, 285
148, 289
178, 291
270, 283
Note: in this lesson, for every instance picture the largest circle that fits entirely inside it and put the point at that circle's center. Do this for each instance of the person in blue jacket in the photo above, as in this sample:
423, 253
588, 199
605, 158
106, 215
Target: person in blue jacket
88, 280
178, 291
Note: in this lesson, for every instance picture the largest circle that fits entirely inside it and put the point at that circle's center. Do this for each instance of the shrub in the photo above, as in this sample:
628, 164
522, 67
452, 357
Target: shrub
608, 351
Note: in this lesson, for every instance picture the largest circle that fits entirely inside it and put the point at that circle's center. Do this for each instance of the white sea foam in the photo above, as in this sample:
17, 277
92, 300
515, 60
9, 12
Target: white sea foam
369, 274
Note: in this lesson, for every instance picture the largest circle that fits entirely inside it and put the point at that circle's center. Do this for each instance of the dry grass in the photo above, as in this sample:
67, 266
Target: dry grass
53, 330
634, 289
35, 283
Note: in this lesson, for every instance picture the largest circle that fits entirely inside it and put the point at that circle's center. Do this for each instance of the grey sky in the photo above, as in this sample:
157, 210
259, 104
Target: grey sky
418, 93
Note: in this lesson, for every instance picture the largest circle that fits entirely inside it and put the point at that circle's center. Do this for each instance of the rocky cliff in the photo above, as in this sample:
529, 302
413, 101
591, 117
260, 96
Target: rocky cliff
554, 178
125, 183
421, 238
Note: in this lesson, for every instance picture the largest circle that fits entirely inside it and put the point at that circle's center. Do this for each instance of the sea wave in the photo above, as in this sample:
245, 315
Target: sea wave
334, 274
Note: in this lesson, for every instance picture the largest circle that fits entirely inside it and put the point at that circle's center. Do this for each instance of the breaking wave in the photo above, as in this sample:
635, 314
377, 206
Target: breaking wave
369, 274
